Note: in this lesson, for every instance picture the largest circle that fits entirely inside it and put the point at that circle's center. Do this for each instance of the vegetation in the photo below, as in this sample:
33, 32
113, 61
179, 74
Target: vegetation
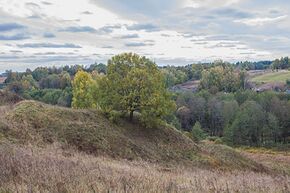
153, 139
243, 118
133, 84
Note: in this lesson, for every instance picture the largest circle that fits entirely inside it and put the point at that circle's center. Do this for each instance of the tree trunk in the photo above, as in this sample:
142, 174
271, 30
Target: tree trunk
131, 115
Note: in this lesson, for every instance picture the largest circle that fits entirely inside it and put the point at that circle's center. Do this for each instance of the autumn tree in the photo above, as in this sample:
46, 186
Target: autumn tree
83, 84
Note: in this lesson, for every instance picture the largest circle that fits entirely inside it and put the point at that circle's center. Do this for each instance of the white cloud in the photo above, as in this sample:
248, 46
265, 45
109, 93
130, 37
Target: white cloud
261, 21
208, 3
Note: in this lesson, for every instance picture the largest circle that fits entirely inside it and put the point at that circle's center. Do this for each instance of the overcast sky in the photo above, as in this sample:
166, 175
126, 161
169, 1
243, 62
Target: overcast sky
176, 32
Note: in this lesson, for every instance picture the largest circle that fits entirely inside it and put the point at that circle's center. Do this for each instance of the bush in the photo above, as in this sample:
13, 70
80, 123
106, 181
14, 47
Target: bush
212, 138
114, 117
197, 132
218, 141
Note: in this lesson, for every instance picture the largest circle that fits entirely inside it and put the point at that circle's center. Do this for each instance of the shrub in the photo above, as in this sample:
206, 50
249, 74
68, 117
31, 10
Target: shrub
218, 141
197, 132
212, 138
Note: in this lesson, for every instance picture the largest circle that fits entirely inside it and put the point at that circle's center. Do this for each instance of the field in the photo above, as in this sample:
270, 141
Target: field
271, 77
51, 169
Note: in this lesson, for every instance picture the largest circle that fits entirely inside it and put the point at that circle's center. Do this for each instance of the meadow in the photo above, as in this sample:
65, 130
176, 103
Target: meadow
270, 77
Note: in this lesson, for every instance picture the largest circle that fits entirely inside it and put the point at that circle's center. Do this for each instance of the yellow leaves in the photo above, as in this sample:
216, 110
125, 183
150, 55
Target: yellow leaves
82, 90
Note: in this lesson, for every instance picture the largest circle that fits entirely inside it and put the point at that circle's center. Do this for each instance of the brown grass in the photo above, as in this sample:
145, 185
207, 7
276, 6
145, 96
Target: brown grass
274, 160
29, 169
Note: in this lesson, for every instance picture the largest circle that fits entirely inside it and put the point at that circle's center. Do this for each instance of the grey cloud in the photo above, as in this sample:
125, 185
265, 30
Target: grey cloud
48, 35
87, 29
247, 53
146, 27
47, 45
14, 37
107, 47
108, 29
87, 13
129, 36
32, 5
52, 53
135, 44
166, 35
4, 27
231, 12
139, 44
35, 16
46, 3
77, 29
16, 51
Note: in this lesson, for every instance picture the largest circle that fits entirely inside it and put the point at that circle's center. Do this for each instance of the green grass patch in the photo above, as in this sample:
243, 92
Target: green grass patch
271, 77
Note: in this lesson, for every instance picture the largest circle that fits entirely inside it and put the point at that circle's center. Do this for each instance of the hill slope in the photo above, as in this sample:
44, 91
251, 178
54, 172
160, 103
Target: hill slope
30, 122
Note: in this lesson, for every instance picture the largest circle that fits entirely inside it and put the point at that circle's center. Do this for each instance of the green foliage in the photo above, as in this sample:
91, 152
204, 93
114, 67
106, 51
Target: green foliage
135, 84
243, 118
248, 125
173, 76
56, 81
100, 68
283, 63
221, 77
197, 132
51, 96
288, 82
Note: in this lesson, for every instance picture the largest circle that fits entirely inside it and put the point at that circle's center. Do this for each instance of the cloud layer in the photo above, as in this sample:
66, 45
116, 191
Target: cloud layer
174, 32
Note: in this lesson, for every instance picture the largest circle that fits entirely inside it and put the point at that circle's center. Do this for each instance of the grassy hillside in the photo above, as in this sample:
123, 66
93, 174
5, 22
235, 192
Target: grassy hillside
35, 123
52, 149
270, 77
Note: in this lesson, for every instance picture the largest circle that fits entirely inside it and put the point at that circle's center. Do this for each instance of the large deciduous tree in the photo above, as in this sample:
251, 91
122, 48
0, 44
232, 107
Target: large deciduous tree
135, 84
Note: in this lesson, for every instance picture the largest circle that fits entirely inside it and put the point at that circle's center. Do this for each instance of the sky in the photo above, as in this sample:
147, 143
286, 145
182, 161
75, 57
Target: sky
170, 32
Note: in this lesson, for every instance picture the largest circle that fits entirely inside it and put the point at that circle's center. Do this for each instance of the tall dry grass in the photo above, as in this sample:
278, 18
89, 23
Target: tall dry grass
52, 169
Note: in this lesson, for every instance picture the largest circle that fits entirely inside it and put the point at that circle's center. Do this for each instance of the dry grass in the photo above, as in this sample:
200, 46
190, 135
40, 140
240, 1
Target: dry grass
274, 160
28, 169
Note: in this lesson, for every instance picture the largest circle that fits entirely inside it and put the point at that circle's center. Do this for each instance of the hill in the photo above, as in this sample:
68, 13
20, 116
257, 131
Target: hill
53, 149
35, 123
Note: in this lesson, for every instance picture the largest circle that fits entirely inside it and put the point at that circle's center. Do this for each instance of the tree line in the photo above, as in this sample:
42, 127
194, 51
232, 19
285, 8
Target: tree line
51, 85
241, 118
